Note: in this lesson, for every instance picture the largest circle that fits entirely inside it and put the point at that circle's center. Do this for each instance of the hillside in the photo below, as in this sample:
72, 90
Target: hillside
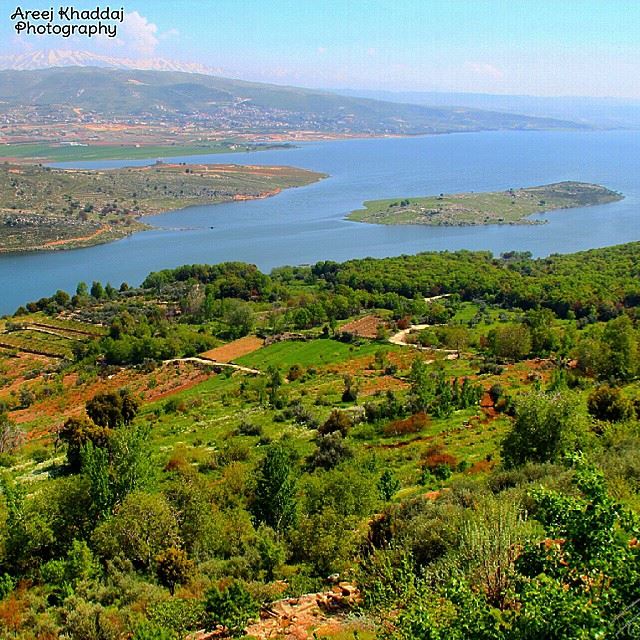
337, 451
88, 93
45, 209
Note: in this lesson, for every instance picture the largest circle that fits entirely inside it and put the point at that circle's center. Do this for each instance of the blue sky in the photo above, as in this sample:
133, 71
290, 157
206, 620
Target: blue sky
566, 47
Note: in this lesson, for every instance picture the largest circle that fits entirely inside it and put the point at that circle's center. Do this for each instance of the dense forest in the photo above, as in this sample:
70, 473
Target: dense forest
438, 446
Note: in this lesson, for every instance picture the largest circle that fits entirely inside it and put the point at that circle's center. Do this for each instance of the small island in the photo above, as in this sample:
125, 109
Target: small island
50, 209
497, 207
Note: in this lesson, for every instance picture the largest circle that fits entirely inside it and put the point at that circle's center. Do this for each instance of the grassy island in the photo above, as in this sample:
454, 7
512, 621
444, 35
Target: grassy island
43, 208
512, 206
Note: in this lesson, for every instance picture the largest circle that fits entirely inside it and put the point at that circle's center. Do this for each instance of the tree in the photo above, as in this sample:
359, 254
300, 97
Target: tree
82, 291
621, 349
275, 500
76, 433
142, 528
112, 409
97, 290
173, 567
421, 393
510, 341
274, 383
331, 450
122, 467
239, 317
540, 323
546, 427
388, 484
350, 393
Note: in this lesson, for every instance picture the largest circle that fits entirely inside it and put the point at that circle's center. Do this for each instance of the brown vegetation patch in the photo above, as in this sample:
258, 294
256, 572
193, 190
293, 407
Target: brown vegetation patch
366, 327
412, 424
232, 350
435, 456
372, 385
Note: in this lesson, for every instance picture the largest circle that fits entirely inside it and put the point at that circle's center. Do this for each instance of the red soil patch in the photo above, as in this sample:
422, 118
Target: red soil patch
228, 352
148, 387
371, 386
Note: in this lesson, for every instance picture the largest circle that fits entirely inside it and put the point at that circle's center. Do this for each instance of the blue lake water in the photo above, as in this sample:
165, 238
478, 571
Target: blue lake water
307, 224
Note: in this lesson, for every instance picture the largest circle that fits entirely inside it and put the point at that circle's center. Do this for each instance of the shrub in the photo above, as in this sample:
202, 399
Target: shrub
338, 421
330, 452
232, 608
412, 424
608, 403
439, 463
546, 427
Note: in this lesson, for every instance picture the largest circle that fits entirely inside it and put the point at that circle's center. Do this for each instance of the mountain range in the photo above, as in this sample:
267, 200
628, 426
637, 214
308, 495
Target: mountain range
100, 87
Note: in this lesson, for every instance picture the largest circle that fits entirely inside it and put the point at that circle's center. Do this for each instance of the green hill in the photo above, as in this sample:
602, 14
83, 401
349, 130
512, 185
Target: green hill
59, 93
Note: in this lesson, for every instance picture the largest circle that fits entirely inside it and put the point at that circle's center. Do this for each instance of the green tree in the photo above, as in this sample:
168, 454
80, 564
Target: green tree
275, 496
76, 433
621, 349
546, 427
338, 421
173, 567
422, 392
510, 341
142, 528
112, 409
97, 290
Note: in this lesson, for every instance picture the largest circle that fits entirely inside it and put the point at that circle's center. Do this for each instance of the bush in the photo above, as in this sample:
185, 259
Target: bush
412, 424
232, 608
248, 429
438, 462
608, 403
338, 421
546, 427
330, 452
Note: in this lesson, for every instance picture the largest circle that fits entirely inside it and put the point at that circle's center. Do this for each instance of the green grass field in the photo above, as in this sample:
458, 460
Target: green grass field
43, 152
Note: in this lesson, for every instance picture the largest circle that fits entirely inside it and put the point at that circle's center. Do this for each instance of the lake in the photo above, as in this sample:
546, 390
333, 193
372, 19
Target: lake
307, 224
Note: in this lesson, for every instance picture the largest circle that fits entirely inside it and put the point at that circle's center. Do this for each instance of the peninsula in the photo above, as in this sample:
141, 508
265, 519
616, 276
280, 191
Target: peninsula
44, 209
512, 206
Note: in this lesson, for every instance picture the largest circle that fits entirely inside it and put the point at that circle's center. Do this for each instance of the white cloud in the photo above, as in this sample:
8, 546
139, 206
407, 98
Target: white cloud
485, 70
322, 50
138, 34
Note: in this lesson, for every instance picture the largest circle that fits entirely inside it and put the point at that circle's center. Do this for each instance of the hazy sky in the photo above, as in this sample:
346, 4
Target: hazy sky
538, 47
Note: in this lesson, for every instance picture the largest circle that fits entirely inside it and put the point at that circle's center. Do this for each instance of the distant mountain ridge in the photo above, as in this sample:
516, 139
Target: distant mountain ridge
71, 58
600, 112
66, 93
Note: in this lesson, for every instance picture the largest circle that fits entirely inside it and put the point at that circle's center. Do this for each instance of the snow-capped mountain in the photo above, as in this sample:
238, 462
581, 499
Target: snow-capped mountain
68, 58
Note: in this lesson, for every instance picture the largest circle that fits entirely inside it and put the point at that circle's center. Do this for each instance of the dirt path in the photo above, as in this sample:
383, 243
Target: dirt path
432, 298
59, 243
400, 339
213, 363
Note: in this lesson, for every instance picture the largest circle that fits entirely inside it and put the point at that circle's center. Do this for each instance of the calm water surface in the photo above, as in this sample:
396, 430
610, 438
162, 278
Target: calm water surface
307, 224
